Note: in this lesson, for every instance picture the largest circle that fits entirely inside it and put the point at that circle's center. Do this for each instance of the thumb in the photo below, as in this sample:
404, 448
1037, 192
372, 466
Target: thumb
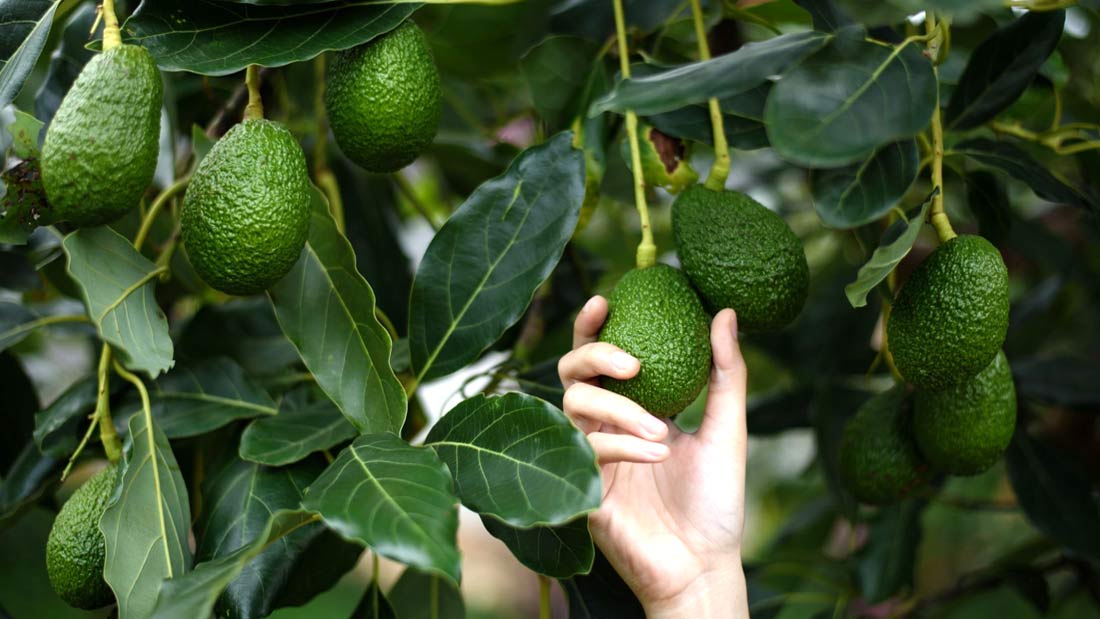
724, 416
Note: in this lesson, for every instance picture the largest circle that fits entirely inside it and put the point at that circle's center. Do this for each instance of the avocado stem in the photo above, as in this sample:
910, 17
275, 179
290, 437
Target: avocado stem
112, 35
107, 434
255, 108
646, 255
158, 205
720, 171
938, 216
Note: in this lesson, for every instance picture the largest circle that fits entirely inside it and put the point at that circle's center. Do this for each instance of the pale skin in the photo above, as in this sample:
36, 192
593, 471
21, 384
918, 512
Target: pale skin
673, 503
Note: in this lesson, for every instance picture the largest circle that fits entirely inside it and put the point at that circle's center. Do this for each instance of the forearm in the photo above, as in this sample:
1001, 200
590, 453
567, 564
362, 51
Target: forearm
718, 595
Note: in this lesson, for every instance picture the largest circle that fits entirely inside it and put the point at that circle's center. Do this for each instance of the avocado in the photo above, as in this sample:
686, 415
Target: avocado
75, 550
739, 254
101, 149
654, 315
879, 461
383, 99
950, 319
246, 212
964, 429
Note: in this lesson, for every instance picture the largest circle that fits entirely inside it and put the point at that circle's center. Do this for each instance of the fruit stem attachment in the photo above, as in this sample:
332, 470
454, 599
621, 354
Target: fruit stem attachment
646, 255
938, 217
255, 108
112, 34
158, 204
101, 417
720, 171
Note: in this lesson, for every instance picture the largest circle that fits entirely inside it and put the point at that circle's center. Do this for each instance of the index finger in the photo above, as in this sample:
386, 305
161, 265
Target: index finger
586, 328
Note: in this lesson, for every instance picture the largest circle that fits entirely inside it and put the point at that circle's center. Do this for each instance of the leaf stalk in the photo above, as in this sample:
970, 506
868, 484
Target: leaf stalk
719, 172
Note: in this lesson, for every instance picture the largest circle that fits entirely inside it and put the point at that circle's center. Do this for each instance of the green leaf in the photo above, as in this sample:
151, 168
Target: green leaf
25, 133
559, 552
860, 193
742, 120
295, 433
482, 268
517, 458
326, 309
55, 425
242, 501
146, 522
117, 287
26, 29
825, 15
988, 200
848, 99
555, 71
16, 323
67, 60
20, 403
26, 479
219, 38
1015, 162
374, 605
601, 593
244, 330
193, 594
887, 256
417, 595
723, 76
1067, 382
1002, 67
197, 398
884, 566
382, 492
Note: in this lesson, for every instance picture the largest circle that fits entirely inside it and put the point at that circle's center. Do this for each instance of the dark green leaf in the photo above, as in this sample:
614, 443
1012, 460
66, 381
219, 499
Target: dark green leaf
500, 449
394, 498
1015, 162
295, 433
244, 330
16, 272
67, 61
16, 414
193, 594
847, 100
831, 407
601, 593
482, 268
55, 425
326, 309
26, 479
772, 413
887, 256
108, 270
858, 194
417, 595
218, 38
1061, 381
884, 566
26, 28
742, 120
826, 16
988, 200
374, 605
1002, 67
16, 323
724, 76
146, 522
559, 552
327, 558
1055, 496
555, 71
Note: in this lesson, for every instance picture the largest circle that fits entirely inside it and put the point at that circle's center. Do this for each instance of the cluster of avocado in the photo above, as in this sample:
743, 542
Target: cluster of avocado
945, 333
735, 253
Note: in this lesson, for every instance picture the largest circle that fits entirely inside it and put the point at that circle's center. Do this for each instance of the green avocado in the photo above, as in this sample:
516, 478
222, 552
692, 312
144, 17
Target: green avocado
964, 429
101, 149
246, 212
879, 461
383, 99
75, 549
656, 316
739, 254
950, 318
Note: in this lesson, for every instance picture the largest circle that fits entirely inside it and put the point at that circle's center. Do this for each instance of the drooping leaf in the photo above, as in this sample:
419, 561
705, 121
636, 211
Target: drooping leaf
517, 458
1002, 67
1059, 381
884, 566
218, 38
723, 76
393, 497
374, 605
860, 193
116, 283
67, 61
1016, 163
146, 522
26, 29
26, 479
482, 268
988, 200
417, 595
244, 330
847, 100
1055, 496
563, 551
193, 594
55, 425
742, 120
326, 560
295, 433
326, 309
555, 71
896, 245
16, 323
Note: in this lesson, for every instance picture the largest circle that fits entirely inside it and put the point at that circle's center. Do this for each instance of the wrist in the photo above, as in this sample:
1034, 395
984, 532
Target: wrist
716, 594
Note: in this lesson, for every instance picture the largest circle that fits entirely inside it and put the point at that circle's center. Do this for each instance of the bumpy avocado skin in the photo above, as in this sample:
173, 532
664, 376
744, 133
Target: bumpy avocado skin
739, 254
879, 461
75, 550
964, 429
656, 316
950, 318
246, 212
383, 99
101, 149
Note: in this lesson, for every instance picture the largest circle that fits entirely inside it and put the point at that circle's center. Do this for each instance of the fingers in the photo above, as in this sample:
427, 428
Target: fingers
724, 416
596, 359
590, 407
612, 448
586, 328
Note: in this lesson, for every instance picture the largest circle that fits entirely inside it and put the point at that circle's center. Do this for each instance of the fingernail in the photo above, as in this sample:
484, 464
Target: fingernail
733, 326
622, 361
653, 426
656, 451
588, 305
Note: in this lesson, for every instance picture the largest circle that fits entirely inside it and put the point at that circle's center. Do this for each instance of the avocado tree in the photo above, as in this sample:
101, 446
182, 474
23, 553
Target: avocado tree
245, 243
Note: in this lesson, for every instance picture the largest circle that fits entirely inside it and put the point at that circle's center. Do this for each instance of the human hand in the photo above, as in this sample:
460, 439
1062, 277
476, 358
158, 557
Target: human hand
673, 505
